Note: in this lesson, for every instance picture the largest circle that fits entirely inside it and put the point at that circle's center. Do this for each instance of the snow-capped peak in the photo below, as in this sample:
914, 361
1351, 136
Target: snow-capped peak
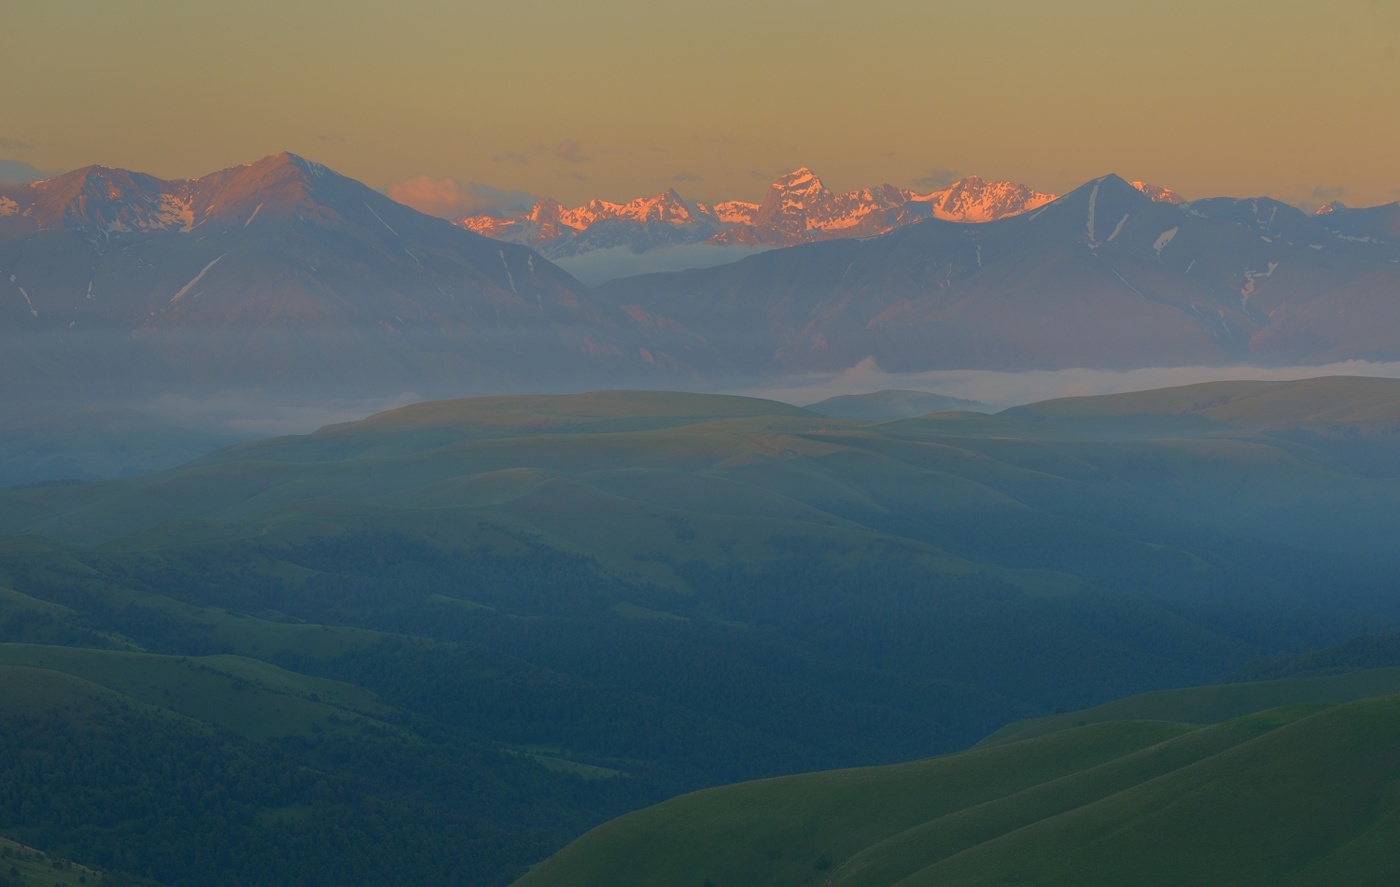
797, 208
1330, 207
1159, 194
973, 200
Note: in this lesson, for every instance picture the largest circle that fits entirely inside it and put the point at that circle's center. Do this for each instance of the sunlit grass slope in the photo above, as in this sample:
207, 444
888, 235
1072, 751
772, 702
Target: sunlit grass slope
1209, 705
1302, 794
1337, 404
660, 592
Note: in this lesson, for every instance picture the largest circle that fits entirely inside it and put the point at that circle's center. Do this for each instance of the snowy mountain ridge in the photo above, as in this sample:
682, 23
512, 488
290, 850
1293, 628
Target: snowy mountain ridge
797, 208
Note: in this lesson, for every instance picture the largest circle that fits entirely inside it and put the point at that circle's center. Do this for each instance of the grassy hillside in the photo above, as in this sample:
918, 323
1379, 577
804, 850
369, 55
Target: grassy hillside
1304, 794
513, 618
1212, 704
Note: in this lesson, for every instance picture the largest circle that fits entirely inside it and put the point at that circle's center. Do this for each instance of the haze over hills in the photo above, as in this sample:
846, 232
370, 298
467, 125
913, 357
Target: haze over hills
442, 641
283, 275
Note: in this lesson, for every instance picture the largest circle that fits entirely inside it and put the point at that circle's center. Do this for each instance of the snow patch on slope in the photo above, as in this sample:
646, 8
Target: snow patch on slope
28, 301
381, 221
509, 277
1119, 227
1093, 203
1250, 276
186, 288
1166, 238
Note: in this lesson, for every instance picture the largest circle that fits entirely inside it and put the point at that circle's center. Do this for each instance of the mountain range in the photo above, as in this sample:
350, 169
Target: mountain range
280, 271
1104, 276
798, 208
283, 273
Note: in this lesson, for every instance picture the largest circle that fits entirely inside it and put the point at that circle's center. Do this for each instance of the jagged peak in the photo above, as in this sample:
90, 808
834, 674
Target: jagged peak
1330, 207
798, 178
969, 181
1158, 193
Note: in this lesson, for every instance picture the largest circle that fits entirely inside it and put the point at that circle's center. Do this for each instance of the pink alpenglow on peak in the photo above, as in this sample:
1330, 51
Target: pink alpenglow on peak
973, 200
797, 208
1160, 194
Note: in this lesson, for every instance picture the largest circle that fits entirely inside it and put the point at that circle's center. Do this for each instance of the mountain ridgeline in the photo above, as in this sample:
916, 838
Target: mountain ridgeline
284, 274
435, 645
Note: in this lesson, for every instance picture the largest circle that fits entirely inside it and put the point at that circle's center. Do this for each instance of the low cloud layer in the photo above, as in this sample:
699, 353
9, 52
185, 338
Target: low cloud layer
571, 151
601, 265
1321, 196
935, 179
451, 199
251, 414
1006, 389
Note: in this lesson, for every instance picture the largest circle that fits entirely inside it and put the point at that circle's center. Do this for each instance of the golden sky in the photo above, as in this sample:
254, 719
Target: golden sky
1297, 99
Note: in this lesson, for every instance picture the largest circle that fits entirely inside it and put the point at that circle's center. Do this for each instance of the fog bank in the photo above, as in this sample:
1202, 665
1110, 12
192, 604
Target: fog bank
1008, 389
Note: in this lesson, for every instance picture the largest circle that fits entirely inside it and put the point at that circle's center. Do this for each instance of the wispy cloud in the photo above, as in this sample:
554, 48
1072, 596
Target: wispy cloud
687, 177
571, 151
937, 178
451, 199
1004, 389
15, 144
511, 157
19, 171
1322, 195
329, 138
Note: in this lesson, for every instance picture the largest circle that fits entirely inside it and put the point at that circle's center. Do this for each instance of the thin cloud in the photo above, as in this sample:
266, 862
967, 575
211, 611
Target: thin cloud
451, 199
329, 138
937, 178
571, 152
687, 177
17, 171
15, 144
1005, 389
511, 157
1321, 196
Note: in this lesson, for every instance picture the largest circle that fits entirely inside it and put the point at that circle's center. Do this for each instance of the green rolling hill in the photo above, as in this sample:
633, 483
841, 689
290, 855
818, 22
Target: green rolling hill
1193, 786
515, 618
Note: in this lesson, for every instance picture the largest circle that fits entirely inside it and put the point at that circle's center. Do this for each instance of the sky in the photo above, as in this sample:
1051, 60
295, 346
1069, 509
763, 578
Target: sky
467, 105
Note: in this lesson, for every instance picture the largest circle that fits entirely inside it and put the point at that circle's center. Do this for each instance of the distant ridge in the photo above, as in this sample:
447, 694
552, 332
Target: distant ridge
893, 404
1103, 277
285, 273
797, 208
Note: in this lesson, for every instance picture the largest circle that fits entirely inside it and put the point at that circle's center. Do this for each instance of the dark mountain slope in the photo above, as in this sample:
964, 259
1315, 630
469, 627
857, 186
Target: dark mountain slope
284, 272
1101, 277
